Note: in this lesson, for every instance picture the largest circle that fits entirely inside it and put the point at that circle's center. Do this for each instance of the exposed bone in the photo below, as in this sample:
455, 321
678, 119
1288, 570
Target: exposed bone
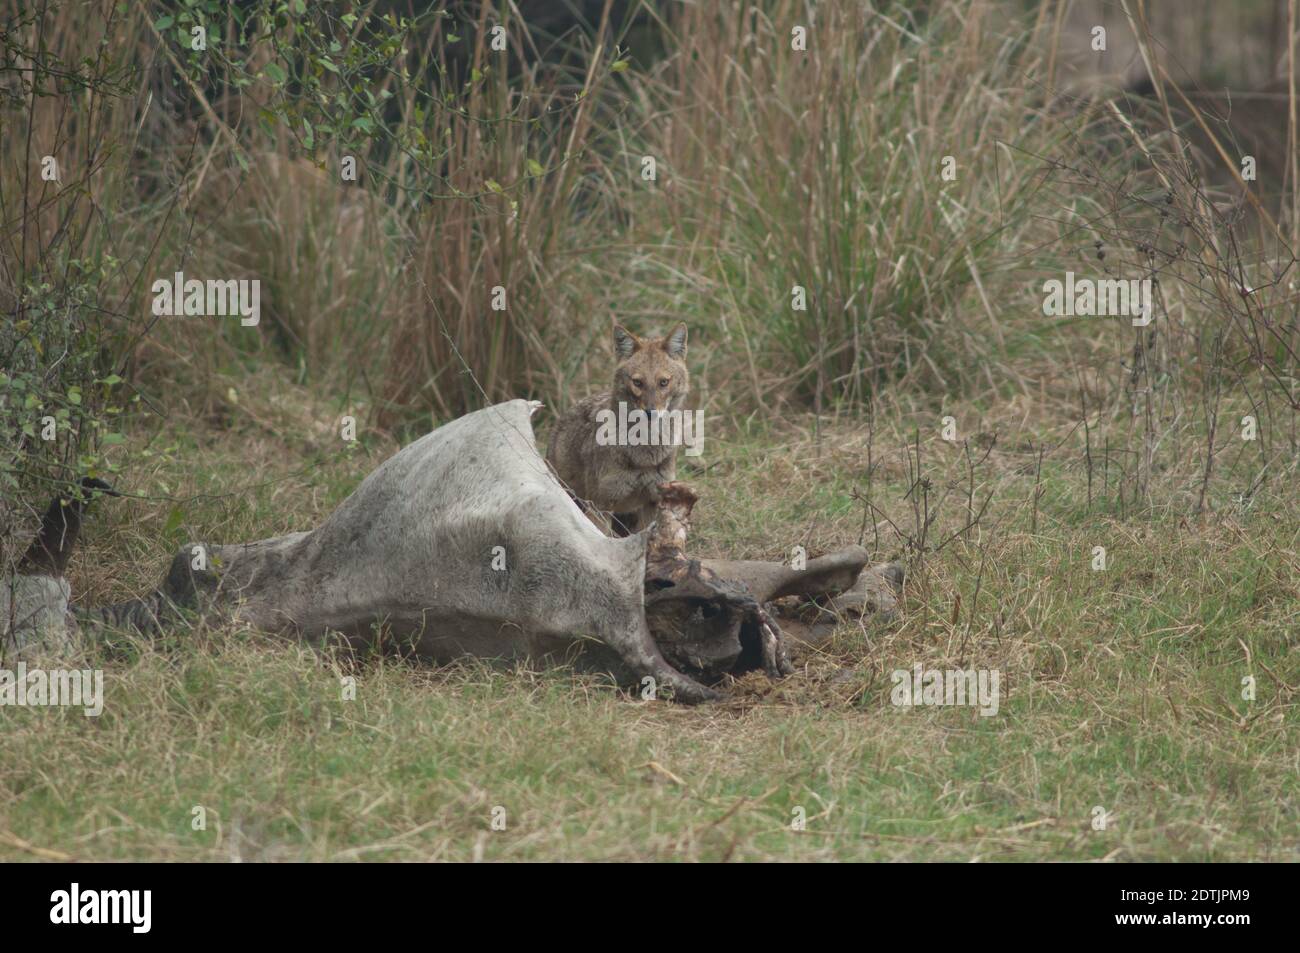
699, 618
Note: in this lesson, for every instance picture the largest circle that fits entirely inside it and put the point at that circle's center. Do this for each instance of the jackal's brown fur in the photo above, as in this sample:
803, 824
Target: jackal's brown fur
622, 481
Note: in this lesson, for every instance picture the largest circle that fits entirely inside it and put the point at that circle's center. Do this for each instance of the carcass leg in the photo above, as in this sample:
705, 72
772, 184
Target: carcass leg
776, 662
640, 654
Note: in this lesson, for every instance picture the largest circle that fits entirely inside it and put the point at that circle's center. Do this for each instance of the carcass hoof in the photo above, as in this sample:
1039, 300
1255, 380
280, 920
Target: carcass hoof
776, 662
687, 691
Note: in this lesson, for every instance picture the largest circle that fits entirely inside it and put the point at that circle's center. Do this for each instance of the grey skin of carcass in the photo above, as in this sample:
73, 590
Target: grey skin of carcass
463, 543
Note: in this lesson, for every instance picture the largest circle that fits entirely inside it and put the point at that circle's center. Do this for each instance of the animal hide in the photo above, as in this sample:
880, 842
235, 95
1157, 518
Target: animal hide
464, 543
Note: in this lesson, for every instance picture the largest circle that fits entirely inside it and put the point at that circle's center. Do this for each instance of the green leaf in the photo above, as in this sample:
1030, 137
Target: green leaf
276, 74
618, 66
163, 22
174, 520
493, 185
535, 167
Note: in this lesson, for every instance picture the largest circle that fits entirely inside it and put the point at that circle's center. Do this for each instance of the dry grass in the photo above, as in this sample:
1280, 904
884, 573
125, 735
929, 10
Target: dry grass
828, 169
1119, 689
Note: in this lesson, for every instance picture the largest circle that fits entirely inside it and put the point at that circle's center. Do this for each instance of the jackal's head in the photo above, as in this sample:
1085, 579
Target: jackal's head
651, 374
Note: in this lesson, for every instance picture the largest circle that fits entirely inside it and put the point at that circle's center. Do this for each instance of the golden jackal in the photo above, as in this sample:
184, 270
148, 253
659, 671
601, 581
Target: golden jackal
617, 470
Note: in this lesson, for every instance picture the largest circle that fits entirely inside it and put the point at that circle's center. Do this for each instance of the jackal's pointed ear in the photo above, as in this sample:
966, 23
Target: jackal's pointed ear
625, 342
675, 343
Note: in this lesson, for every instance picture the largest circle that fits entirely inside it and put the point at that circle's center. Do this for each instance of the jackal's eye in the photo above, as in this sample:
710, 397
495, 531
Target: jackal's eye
663, 382
637, 382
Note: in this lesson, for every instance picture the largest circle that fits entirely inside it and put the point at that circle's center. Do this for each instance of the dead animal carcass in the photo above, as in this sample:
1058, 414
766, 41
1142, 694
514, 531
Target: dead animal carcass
464, 543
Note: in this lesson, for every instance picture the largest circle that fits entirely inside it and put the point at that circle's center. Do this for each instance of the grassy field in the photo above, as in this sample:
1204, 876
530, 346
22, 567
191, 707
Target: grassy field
1120, 689
912, 177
